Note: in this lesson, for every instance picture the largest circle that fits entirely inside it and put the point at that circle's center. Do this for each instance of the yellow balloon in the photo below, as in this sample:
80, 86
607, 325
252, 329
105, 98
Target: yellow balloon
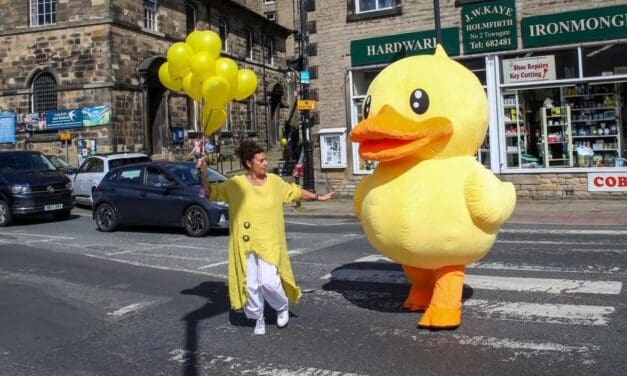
227, 69
202, 64
179, 54
166, 80
284, 141
191, 36
178, 71
192, 86
208, 41
246, 84
212, 119
216, 92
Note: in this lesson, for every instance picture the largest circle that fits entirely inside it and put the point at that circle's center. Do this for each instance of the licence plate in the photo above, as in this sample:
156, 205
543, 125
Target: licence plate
53, 207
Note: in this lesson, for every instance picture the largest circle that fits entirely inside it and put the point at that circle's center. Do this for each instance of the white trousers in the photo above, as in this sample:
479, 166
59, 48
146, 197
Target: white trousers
263, 284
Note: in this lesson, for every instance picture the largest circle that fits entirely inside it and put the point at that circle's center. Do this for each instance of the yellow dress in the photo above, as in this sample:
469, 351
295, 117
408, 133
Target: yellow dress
257, 225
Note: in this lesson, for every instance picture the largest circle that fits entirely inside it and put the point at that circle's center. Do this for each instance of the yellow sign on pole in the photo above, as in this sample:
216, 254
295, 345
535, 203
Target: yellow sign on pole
65, 136
304, 104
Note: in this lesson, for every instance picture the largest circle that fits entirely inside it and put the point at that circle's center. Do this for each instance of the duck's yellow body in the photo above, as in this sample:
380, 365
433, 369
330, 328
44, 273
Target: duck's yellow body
429, 205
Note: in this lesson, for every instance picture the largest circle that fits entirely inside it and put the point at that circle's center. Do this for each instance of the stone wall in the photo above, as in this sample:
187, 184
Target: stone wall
556, 186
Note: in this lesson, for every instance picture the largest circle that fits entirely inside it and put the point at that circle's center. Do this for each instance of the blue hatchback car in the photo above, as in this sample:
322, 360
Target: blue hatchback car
158, 194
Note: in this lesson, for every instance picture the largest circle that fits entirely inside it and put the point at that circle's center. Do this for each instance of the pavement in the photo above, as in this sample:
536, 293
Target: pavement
598, 212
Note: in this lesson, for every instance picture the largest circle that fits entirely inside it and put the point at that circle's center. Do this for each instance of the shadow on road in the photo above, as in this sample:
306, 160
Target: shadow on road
387, 294
217, 303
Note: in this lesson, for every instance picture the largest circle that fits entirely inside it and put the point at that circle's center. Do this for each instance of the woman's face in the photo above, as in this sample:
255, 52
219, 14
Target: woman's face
258, 165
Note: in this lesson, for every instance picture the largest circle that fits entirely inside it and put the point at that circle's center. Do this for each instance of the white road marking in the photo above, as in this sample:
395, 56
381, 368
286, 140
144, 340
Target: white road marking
540, 313
172, 245
45, 236
248, 367
128, 309
319, 224
536, 231
484, 282
212, 265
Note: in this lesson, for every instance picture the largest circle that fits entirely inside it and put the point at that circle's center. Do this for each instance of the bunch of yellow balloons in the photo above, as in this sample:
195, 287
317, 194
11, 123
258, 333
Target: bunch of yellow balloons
195, 66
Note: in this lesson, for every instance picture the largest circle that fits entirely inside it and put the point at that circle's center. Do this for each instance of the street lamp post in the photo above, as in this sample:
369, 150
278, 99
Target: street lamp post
308, 180
438, 27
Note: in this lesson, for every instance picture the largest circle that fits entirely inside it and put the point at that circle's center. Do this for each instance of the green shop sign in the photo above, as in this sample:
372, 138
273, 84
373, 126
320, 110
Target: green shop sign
577, 26
489, 26
393, 47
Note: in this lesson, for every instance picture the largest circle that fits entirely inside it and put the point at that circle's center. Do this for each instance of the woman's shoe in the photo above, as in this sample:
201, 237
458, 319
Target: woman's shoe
260, 327
282, 318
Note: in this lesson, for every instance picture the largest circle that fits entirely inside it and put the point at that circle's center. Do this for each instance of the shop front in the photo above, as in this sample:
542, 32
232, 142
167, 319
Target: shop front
557, 102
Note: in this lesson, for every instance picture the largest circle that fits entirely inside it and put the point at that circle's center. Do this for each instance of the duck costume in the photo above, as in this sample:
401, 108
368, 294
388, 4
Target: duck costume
257, 225
429, 205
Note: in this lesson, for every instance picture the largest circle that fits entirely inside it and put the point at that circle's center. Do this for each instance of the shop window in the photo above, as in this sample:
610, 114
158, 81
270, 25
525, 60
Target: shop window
360, 82
223, 31
150, 14
607, 60
44, 89
539, 66
190, 18
477, 66
43, 12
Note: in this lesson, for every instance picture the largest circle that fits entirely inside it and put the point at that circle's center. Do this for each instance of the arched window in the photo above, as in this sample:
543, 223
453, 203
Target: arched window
44, 90
190, 17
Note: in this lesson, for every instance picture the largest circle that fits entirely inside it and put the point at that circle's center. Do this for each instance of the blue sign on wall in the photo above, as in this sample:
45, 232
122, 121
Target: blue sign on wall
7, 127
64, 119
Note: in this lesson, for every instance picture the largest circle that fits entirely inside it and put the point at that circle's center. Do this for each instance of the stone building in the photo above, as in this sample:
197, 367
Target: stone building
583, 44
58, 56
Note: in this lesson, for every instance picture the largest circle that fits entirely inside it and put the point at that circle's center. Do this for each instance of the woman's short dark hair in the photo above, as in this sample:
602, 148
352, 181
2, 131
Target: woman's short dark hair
247, 150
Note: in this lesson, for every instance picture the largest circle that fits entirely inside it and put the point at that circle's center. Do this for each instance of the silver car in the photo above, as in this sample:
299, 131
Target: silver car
94, 168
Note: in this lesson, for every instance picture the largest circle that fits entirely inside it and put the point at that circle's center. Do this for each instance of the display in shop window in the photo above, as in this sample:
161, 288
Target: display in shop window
557, 148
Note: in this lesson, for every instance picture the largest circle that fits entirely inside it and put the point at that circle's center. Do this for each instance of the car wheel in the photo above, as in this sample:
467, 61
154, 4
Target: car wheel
106, 219
5, 214
196, 221
59, 216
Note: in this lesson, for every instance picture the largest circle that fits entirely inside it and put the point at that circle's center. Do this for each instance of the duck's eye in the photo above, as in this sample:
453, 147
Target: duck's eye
367, 102
419, 101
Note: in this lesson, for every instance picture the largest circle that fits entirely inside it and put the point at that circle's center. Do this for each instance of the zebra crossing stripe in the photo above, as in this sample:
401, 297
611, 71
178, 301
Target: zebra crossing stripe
484, 282
539, 313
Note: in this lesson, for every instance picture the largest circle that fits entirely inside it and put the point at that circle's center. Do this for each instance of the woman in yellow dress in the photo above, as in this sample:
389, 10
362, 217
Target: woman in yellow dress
259, 265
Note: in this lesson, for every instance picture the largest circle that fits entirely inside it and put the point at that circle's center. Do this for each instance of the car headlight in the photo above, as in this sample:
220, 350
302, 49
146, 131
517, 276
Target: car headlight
221, 203
68, 186
20, 189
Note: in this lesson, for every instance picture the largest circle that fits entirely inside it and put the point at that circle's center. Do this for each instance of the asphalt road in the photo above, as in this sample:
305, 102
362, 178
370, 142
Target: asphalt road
546, 300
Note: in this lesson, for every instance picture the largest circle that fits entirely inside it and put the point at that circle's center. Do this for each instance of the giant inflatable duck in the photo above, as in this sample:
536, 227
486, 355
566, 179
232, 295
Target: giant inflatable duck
429, 205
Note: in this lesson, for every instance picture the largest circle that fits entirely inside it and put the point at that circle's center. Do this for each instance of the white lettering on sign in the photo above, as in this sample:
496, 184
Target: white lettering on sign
540, 68
406, 45
489, 9
583, 24
607, 182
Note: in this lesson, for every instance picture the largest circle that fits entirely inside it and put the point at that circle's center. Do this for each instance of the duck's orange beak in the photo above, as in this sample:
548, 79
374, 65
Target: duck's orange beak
389, 135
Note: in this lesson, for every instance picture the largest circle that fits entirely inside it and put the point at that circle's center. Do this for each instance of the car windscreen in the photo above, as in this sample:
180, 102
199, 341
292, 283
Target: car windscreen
113, 163
25, 162
189, 174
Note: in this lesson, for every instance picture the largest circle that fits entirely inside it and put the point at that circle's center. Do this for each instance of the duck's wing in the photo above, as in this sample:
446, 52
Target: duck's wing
490, 201
360, 192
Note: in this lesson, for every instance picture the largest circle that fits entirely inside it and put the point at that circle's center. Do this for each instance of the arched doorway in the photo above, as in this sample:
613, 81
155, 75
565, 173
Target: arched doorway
155, 111
275, 92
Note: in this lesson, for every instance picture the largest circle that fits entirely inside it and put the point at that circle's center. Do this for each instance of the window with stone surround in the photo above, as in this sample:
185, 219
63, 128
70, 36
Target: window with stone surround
249, 43
150, 14
43, 12
358, 10
190, 17
223, 31
269, 51
251, 122
44, 89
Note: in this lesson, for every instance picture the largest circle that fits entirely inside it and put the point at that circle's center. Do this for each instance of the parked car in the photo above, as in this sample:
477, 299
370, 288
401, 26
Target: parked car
158, 194
62, 164
31, 184
94, 168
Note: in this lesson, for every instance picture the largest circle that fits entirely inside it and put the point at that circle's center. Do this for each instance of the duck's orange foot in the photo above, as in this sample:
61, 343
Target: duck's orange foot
418, 299
441, 318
